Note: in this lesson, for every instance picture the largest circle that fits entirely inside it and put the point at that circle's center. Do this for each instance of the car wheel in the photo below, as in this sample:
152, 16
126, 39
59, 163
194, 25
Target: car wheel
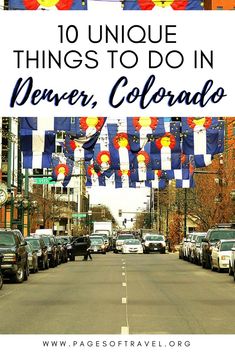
219, 269
1, 281
19, 275
47, 264
26, 272
230, 271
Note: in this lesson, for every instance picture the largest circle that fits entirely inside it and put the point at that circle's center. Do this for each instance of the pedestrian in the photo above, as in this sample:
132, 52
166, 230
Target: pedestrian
88, 250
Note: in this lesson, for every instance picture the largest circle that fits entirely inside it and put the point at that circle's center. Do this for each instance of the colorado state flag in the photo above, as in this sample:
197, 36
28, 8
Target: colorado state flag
47, 4
173, 4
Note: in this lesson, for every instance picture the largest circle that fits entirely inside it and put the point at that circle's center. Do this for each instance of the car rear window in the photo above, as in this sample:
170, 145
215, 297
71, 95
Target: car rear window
7, 239
132, 242
95, 240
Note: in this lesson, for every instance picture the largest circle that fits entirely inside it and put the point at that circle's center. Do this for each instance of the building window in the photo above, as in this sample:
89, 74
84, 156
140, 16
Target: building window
59, 149
64, 191
60, 135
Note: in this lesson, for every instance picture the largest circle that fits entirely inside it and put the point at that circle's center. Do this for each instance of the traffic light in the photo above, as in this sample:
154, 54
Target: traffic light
120, 213
125, 220
131, 219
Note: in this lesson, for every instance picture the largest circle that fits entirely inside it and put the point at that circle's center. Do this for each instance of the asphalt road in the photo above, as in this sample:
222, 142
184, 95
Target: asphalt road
114, 293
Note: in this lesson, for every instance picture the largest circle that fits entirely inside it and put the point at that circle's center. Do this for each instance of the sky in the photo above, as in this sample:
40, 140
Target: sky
127, 200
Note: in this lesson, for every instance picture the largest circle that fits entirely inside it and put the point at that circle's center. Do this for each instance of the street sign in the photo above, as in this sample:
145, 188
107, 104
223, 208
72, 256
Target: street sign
43, 181
79, 215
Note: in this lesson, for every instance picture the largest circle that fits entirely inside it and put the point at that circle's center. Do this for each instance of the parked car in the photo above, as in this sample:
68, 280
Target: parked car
32, 258
53, 253
120, 240
183, 249
195, 247
98, 245
212, 237
132, 246
221, 254
154, 243
67, 240
231, 270
40, 247
15, 257
63, 252
1, 276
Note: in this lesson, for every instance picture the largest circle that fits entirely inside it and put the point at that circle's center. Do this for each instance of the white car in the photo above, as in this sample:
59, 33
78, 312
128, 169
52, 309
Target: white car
132, 246
221, 254
231, 270
196, 248
120, 240
154, 243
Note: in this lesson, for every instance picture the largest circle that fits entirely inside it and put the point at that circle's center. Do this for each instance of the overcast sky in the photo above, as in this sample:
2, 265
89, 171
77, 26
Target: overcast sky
128, 200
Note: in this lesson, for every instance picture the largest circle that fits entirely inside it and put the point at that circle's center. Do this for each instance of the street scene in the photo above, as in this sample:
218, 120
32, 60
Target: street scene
115, 294
101, 238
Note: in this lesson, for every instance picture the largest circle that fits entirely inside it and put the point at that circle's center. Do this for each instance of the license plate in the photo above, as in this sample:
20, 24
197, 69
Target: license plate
155, 248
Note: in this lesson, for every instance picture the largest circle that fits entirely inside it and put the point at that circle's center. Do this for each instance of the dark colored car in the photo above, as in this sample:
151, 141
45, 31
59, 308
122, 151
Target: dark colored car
32, 258
79, 246
39, 245
63, 253
15, 257
67, 240
98, 244
212, 237
52, 249
1, 276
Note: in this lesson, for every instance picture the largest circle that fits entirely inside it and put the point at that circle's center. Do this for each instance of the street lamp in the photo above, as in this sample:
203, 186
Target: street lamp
89, 213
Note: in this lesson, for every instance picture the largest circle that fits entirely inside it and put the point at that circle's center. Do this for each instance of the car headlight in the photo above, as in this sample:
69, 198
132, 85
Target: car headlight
102, 246
9, 257
224, 257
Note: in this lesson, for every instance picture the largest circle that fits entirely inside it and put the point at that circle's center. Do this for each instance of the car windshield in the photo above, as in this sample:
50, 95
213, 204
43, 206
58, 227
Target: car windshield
155, 237
132, 242
96, 241
227, 246
47, 241
125, 236
35, 243
199, 238
7, 239
222, 234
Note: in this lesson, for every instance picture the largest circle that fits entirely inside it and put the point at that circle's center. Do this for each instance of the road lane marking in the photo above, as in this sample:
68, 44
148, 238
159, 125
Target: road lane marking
124, 330
123, 274
123, 267
124, 301
124, 284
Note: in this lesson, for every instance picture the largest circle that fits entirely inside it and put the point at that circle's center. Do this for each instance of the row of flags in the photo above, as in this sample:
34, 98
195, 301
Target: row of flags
82, 4
125, 152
